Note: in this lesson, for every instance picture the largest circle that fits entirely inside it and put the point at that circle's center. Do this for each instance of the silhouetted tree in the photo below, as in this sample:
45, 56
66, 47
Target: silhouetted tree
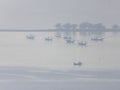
99, 26
85, 26
58, 26
67, 26
115, 26
74, 26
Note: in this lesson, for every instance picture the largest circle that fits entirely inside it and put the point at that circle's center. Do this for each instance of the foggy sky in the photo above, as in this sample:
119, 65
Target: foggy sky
27, 14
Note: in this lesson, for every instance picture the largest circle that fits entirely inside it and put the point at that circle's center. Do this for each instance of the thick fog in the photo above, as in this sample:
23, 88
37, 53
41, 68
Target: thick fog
46, 13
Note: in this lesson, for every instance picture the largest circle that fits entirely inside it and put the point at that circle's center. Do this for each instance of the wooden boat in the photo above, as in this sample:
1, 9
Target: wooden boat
77, 63
30, 37
83, 43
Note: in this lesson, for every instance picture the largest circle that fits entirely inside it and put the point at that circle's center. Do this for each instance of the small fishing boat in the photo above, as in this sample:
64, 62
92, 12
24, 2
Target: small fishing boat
30, 37
77, 63
97, 39
82, 43
66, 37
48, 39
70, 41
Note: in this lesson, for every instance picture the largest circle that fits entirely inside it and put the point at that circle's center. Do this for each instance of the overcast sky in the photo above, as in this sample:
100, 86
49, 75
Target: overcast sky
46, 13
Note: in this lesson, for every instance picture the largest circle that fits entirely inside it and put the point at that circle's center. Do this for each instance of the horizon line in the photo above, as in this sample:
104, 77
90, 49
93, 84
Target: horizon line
55, 30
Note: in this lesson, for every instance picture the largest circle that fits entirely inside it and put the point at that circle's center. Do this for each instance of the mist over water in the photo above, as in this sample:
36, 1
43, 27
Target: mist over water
59, 61
17, 50
80, 52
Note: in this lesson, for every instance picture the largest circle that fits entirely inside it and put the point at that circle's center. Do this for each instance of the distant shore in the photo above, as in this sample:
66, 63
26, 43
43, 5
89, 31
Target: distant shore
56, 30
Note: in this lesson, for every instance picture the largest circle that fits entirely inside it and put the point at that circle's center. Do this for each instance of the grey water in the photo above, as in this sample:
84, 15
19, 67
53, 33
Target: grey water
44, 60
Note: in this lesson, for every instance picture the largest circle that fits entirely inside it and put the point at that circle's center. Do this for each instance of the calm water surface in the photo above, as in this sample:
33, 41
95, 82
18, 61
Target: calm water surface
16, 50
40, 64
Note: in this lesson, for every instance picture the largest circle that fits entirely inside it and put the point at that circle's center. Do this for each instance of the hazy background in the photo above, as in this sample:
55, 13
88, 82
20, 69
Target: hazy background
46, 13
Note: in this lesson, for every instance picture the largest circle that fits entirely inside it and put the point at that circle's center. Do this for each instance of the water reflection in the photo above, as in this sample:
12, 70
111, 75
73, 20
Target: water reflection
62, 50
30, 37
81, 38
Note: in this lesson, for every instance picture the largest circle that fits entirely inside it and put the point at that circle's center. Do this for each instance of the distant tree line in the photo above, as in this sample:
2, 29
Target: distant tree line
84, 26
